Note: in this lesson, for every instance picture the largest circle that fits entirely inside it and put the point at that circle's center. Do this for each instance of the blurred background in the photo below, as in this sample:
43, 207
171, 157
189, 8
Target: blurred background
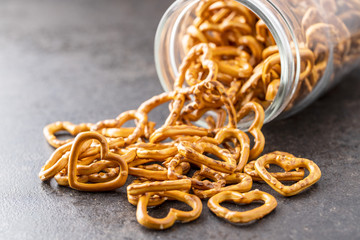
57, 54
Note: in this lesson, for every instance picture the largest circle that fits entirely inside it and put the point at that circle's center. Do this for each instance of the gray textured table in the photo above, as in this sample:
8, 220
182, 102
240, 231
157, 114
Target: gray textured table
90, 60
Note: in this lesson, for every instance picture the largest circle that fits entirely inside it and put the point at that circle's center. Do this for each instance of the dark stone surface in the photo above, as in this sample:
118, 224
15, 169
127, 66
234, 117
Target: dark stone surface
84, 61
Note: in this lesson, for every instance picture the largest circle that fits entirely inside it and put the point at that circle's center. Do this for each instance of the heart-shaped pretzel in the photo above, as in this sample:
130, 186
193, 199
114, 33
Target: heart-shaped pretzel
281, 176
104, 154
269, 205
163, 223
287, 163
241, 182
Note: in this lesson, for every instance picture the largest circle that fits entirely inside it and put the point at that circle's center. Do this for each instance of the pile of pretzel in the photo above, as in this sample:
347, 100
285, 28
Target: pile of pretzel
221, 84
246, 53
325, 26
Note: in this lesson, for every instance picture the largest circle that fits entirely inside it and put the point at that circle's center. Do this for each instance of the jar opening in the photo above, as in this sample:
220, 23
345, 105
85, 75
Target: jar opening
169, 52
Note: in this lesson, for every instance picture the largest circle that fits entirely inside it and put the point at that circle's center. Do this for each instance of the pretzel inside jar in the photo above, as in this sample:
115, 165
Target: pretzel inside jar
231, 72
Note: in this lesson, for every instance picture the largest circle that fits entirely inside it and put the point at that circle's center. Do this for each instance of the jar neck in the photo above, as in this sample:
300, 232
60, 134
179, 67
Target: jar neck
168, 53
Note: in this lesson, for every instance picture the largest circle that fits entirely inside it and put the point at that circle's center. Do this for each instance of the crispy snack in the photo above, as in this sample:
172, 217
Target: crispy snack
243, 151
240, 182
172, 131
105, 154
270, 204
51, 129
230, 70
287, 163
255, 128
158, 186
194, 154
173, 215
296, 175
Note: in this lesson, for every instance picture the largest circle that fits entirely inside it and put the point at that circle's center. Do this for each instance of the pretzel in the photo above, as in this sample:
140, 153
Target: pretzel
195, 156
269, 205
163, 223
117, 132
233, 146
244, 141
236, 7
58, 160
214, 85
206, 94
174, 175
255, 128
269, 51
272, 90
62, 178
143, 110
217, 180
154, 200
281, 176
50, 130
156, 153
237, 67
122, 132
225, 25
263, 34
95, 167
233, 90
157, 172
94, 149
252, 82
105, 154
252, 43
170, 131
106, 175
114, 123
205, 52
150, 146
243, 182
306, 56
158, 186
201, 9
193, 73
287, 163
231, 68
220, 119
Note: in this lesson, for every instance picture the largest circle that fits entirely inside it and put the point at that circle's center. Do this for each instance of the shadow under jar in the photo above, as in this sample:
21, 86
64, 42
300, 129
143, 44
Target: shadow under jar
307, 46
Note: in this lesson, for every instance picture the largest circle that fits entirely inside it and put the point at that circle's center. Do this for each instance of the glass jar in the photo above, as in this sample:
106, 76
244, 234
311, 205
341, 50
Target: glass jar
329, 28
